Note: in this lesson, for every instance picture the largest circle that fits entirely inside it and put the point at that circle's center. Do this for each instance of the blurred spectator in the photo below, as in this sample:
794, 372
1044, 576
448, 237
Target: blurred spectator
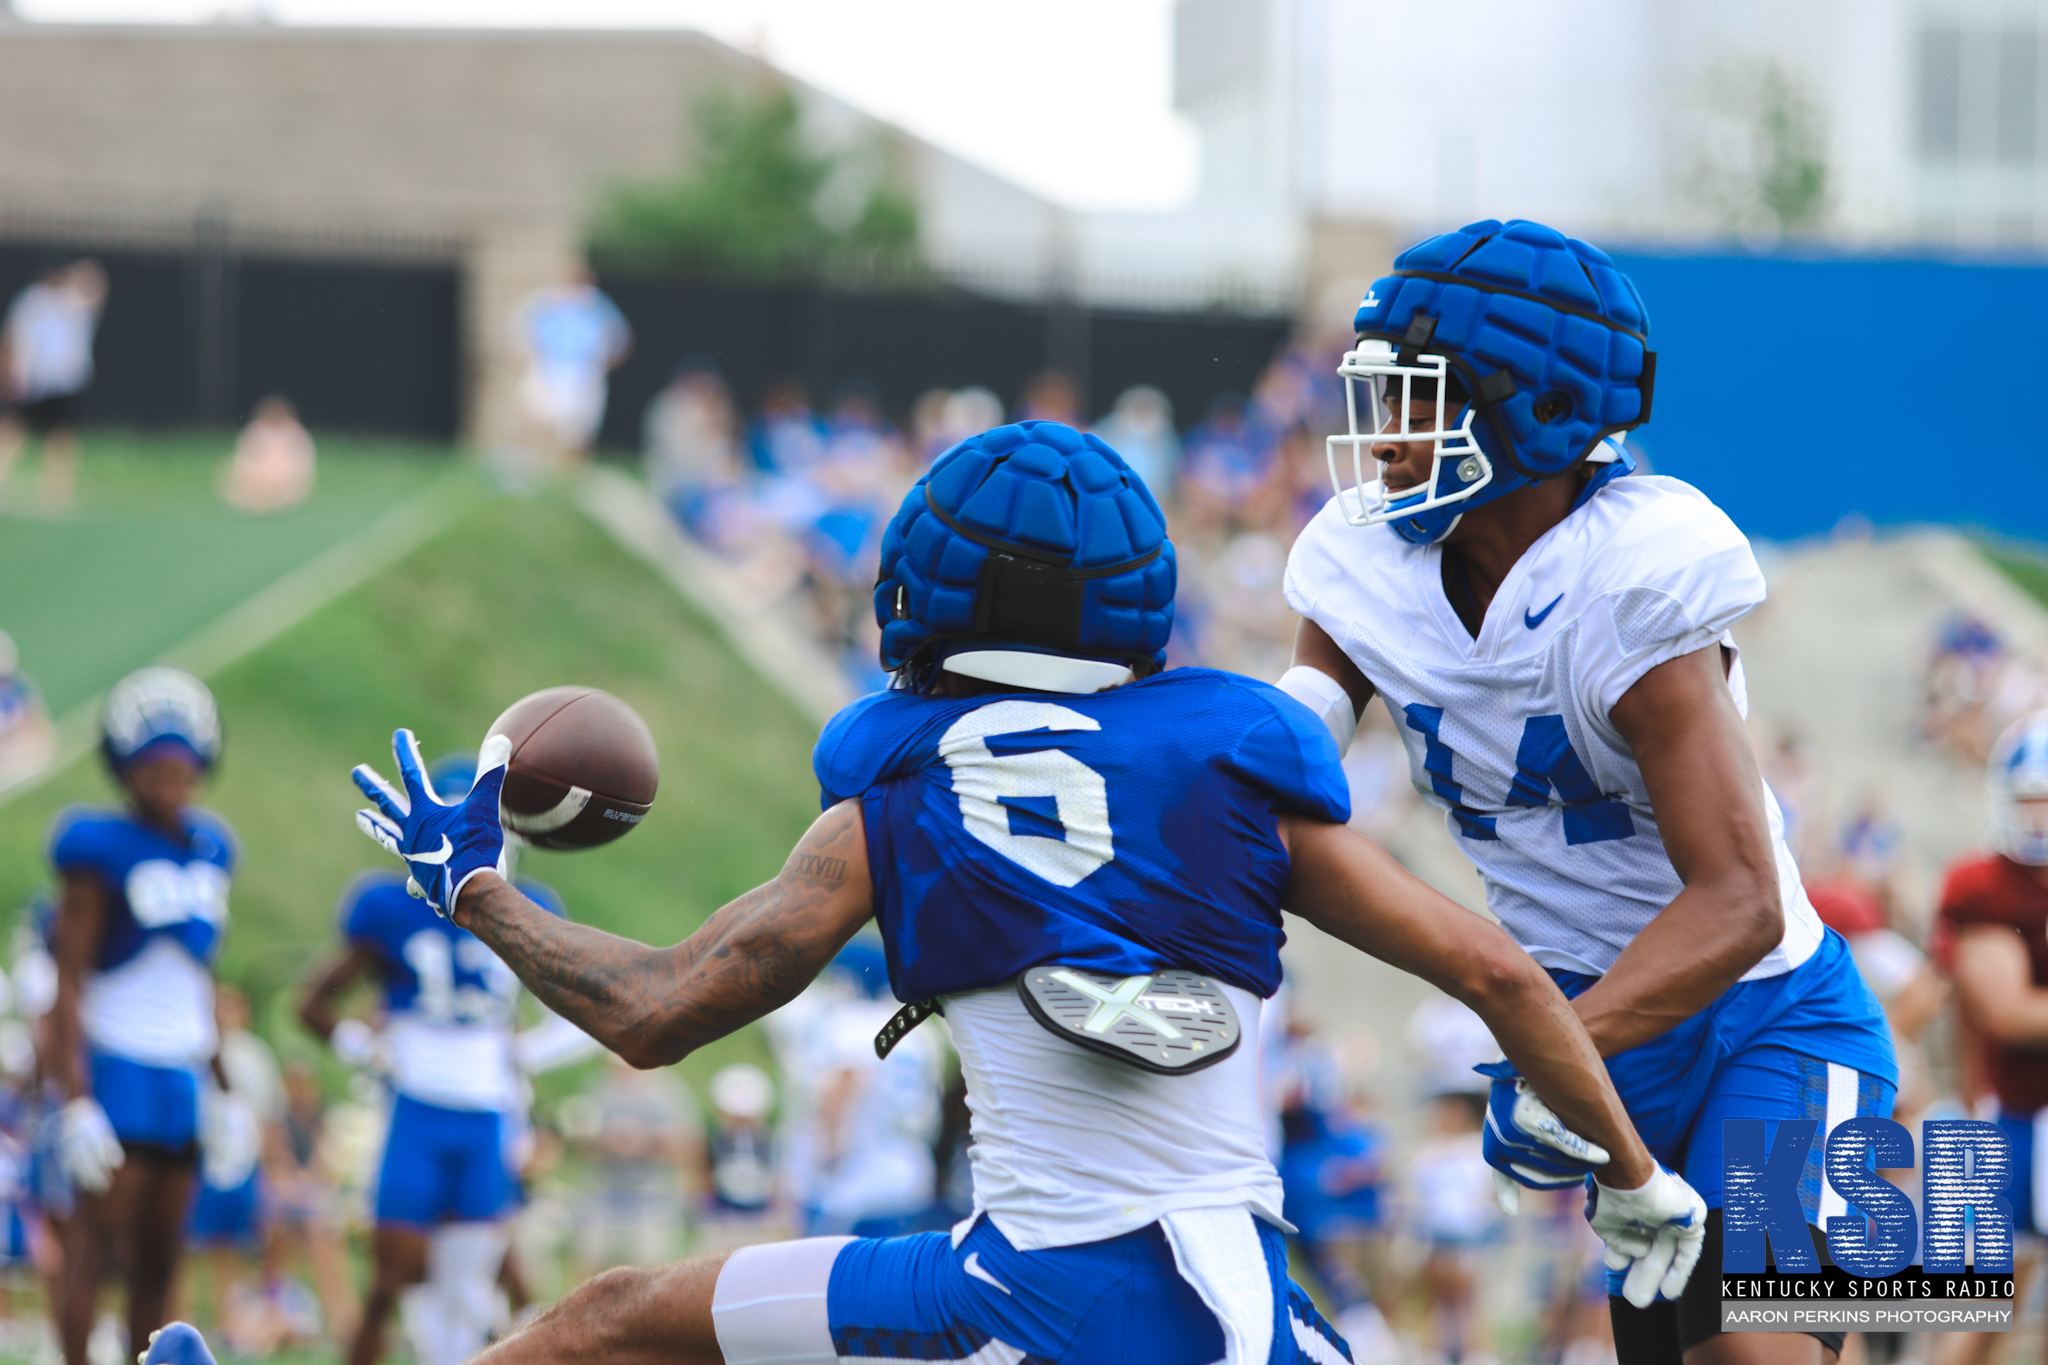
788, 438
644, 1137
689, 439
1140, 428
28, 737
1052, 397
46, 367
1448, 1040
740, 1158
1332, 1165
574, 337
1789, 768
305, 1208
1229, 458
1451, 1191
1976, 686
272, 467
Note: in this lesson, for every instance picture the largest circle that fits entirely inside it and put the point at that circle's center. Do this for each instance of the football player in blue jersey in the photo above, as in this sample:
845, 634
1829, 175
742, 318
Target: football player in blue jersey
1082, 861
447, 1050
143, 905
1549, 630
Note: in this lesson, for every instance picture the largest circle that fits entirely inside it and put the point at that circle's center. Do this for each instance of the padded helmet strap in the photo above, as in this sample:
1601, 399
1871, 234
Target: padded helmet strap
1026, 594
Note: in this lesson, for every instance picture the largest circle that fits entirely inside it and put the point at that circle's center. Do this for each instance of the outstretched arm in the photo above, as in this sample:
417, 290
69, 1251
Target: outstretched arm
319, 1011
654, 1006
1353, 890
1702, 777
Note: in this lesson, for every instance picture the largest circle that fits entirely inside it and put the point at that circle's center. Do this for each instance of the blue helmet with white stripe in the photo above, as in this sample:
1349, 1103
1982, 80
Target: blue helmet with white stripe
2016, 784
1529, 347
159, 710
1030, 555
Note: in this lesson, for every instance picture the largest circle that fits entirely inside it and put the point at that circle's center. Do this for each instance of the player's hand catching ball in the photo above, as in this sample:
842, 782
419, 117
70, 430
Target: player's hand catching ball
1654, 1233
443, 846
1526, 1143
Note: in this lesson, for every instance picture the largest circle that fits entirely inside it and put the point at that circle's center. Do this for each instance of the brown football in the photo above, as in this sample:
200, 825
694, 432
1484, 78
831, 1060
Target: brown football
583, 767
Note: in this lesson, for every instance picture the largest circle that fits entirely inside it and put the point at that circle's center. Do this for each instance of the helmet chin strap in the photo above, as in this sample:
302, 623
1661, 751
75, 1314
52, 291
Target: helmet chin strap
1039, 672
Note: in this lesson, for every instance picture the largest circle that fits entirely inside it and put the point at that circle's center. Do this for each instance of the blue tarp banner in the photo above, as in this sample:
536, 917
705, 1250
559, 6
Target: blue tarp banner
1795, 392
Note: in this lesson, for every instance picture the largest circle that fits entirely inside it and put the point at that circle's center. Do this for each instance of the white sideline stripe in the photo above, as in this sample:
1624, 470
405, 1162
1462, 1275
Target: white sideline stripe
261, 618
775, 648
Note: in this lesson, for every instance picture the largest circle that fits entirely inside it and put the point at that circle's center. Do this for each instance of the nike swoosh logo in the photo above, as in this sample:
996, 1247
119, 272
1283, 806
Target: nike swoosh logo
441, 854
972, 1265
1536, 620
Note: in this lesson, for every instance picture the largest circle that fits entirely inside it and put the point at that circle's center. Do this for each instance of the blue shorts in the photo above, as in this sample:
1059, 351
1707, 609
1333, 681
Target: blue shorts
149, 1106
229, 1217
920, 1298
442, 1165
1761, 1051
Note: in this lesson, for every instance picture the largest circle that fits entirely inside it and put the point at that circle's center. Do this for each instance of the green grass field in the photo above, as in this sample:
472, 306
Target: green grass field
148, 553
519, 594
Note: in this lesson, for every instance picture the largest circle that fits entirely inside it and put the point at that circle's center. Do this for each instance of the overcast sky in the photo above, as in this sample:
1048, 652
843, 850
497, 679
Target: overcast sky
1073, 101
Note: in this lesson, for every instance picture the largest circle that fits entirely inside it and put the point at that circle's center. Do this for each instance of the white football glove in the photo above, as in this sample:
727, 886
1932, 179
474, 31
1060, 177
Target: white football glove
87, 1149
1653, 1232
230, 1140
354, 1042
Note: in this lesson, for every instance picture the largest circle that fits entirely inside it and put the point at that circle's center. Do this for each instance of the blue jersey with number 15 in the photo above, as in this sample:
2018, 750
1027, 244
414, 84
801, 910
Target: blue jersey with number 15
1126, 831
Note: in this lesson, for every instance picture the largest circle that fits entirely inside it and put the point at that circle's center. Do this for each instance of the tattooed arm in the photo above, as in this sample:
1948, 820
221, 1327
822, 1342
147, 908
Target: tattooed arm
654, 1006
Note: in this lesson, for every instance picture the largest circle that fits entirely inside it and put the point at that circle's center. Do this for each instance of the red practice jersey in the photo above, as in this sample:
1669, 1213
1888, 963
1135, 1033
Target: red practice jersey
1992, 890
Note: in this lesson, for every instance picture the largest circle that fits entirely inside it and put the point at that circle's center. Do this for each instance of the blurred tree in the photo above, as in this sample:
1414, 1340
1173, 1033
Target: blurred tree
757, 204
1791, 152
1761, 165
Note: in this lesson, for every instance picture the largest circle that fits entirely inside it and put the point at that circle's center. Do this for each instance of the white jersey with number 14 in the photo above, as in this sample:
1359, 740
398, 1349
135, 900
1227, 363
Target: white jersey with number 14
1510, 732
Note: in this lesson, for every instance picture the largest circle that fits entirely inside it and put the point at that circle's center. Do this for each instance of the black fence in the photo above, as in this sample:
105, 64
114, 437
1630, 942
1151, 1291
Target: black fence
195, 336
904, 344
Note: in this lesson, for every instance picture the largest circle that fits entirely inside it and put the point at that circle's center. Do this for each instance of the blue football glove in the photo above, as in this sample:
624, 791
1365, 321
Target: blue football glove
1527, 1144
443, 846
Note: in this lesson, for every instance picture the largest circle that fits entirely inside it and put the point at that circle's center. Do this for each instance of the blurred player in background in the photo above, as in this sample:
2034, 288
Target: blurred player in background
131, 1036
46, 367
1992, 932
574, 337
28, 737
1025, 599
1332, 1164
226, 1226
1552, 635
873, 1119
448, 1051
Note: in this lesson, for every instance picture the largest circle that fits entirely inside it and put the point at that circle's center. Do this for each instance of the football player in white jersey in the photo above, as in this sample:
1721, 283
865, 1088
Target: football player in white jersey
1549, 630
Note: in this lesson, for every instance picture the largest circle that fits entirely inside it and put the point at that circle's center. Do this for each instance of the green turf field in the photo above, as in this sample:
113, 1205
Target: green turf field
148, 553
519, 594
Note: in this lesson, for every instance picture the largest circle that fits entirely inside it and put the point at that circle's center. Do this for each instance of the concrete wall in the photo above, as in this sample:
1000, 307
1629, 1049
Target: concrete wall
490, 148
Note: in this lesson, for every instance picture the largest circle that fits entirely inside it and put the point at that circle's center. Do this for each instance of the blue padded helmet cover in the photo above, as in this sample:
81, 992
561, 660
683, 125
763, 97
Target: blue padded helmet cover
1549, 311
1030, 535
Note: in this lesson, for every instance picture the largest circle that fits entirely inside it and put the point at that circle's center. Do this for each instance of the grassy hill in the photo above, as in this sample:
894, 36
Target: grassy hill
519, 594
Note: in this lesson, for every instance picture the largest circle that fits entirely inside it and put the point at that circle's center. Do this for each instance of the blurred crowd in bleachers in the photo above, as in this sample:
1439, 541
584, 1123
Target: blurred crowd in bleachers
794, 497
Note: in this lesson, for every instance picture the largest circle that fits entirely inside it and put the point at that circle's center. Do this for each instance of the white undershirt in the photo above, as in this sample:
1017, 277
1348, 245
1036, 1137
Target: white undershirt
1071, 1146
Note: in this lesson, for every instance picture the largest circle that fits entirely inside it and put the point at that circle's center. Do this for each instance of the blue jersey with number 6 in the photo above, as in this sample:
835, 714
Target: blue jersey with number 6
1126, 830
